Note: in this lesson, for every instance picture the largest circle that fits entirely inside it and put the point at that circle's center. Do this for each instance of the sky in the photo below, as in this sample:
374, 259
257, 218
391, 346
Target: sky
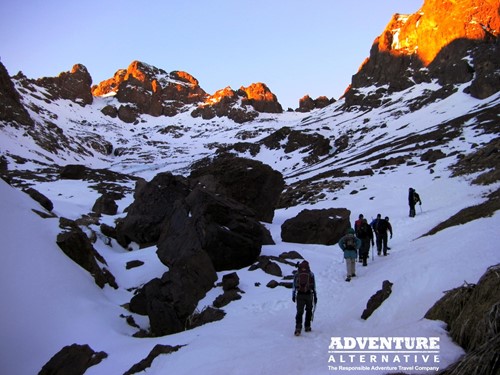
293, 46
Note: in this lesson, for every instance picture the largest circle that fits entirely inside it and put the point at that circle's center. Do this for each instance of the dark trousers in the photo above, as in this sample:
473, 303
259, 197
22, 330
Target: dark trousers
364, 250
304, 301
382, 243
412, 210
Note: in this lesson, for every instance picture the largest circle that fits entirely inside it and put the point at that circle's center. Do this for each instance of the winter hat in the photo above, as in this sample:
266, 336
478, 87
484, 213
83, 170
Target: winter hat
304, 265
351, 231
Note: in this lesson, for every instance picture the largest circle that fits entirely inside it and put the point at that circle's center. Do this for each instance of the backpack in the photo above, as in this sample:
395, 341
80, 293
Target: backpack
303, 279
382, 226
364, 230
303, 282
350, 242
416, 197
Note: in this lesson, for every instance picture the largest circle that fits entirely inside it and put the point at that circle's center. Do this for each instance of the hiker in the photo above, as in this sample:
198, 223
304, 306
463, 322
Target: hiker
413, 199
374, 224
365, 234
358, 222
304, 293
382, 226
350, 245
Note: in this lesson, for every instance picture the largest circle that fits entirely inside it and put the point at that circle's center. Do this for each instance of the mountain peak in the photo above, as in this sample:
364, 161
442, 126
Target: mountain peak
437, 24
448, 41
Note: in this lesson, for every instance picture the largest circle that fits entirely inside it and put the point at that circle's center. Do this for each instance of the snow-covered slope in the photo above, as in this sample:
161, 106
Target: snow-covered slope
50, 302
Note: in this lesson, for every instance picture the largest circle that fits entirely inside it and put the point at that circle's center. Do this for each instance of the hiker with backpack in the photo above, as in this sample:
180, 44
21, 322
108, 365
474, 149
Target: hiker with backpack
365, 233
413, 199
304, 293
374, 225
358, 222
350, 245
381, 227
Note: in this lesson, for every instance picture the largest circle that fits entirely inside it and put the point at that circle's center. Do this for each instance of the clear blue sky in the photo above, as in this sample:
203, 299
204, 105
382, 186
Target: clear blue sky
296, 47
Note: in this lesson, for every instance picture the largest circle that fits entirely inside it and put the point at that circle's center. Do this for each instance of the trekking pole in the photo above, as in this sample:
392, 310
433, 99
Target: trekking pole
420, 208
312, 315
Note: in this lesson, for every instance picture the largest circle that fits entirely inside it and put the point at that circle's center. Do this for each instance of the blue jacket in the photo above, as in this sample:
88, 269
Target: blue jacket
350, 254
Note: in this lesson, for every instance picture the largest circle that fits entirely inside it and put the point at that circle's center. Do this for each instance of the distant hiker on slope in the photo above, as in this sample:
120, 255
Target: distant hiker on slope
365, 233
350, 245
304, 293
413, 199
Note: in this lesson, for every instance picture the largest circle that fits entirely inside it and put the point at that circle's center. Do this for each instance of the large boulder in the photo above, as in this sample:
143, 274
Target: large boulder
169, 301
72, 360
151, 209
106, 204
206, 233
324, 227
223, 228
250, 182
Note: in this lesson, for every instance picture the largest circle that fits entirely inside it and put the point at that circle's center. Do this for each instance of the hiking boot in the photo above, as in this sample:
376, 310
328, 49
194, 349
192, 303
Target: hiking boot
378, 253
348, 278
308, 329
353, 275
297, 331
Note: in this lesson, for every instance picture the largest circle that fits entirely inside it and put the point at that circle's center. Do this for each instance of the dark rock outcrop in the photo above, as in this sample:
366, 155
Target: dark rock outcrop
222, 228
258, 185
377, 299
152, 209
40, 198
72, 360
261, 98
313, 146
73, 172
170, 301
11, 109
324, 227
76, 245
73, 85
155, 352
205, 232
472, 313
105, 204
240, 106
230, 281
307, 104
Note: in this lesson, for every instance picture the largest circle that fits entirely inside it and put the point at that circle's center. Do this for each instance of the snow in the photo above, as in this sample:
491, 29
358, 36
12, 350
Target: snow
50, 302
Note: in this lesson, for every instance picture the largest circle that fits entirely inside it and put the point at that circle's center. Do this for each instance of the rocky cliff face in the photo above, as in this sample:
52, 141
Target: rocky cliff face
73, 85
448, 41
12, 109
240, 106
153, 91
